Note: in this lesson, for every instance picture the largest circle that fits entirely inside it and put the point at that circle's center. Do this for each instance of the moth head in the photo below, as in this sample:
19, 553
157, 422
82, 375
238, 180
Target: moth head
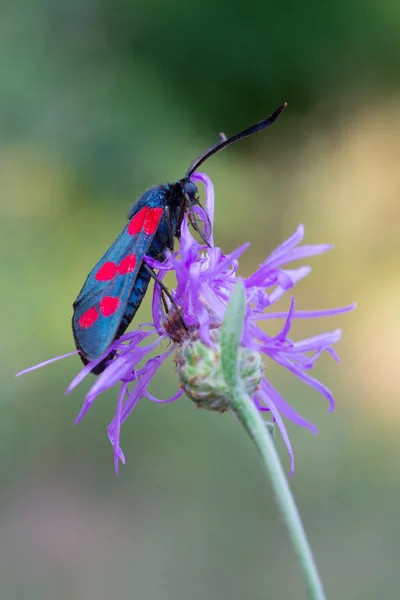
190, 190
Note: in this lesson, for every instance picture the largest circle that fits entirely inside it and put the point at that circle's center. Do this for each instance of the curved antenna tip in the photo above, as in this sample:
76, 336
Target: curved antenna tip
224, 142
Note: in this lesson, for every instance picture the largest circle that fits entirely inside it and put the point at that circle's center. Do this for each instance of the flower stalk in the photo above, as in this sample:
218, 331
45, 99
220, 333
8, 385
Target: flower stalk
248, 415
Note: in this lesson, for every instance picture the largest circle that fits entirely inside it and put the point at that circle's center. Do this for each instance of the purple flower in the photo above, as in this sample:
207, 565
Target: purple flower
205, 278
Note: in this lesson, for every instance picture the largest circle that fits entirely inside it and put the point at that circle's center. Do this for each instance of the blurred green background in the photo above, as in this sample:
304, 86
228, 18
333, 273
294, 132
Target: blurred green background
100, 100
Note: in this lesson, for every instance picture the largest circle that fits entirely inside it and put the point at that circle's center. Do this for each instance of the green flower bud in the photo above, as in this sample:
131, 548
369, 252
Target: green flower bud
200, 372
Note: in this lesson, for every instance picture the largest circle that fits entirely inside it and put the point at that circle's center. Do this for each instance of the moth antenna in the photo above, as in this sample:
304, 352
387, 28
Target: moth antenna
224, 142
214, 148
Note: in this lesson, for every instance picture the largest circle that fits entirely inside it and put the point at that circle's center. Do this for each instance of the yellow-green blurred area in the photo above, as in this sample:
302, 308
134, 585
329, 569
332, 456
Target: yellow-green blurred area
99, 100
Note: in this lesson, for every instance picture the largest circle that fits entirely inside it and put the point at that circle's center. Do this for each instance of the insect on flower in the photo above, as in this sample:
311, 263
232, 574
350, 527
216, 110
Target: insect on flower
189, 329
115, 287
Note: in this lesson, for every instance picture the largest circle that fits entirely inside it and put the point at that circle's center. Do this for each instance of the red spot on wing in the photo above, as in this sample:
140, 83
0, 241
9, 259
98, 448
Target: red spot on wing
88, 318
107, 271
108, 305
128, 264
147, 220
136, 223
152, 220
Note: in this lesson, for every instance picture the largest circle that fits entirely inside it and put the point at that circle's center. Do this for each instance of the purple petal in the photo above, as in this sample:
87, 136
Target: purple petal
277, 417
309, 364
156, 264
308, 314
260, 406
265, 277
46, 362
198, 176
313, 343
120, 367
296, 276
93, 363
144, 378
80, 377
118, 370
227, 261
133, 337
297, 254
291, 242
171, 399
284, 408
156, 304
286, 328
117, 430
317, 385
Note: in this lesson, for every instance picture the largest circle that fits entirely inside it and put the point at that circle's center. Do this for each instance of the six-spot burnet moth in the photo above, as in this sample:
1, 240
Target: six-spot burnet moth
115, 287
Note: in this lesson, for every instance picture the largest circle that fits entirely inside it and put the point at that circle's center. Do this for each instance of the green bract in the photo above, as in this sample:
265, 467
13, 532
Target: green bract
200, 372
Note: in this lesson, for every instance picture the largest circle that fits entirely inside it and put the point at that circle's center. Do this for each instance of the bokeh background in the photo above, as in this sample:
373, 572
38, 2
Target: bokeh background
101, 99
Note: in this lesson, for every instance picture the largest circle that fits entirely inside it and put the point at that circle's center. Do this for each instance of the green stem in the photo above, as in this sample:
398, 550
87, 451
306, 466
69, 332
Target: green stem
250, 418
245, 410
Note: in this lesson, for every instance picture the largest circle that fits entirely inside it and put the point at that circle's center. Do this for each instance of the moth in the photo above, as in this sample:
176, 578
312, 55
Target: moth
116, 286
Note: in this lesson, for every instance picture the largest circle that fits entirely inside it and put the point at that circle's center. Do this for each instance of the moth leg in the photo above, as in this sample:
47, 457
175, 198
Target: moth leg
166, 291
192, 217
160, 283
170, 244
193, 221
184, 202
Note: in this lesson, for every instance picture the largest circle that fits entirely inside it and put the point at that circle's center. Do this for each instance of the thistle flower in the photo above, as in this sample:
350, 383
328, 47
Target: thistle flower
205, 278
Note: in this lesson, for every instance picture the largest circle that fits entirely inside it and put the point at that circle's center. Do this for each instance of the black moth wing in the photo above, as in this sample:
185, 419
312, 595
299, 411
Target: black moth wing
101, 304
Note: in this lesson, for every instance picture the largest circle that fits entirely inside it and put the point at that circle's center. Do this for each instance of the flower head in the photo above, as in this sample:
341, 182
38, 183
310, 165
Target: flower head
205, 278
